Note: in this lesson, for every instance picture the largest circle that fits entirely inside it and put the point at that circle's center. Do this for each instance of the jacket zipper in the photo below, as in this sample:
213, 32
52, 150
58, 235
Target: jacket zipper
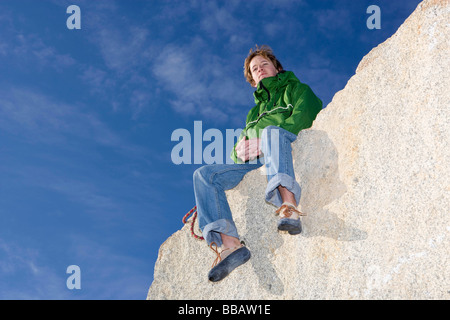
268, 93
268, 100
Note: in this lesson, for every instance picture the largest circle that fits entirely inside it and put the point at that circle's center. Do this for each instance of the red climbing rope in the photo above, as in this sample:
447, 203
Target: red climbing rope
193, 211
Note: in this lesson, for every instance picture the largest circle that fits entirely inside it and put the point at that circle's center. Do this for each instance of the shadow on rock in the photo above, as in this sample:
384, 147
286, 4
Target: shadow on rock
316, 166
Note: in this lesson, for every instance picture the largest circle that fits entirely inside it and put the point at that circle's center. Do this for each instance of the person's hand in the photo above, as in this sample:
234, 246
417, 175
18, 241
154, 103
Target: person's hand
248, 149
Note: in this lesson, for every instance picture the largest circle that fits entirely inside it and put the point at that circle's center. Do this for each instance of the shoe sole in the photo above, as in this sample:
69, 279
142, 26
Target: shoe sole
293, 226
234, 260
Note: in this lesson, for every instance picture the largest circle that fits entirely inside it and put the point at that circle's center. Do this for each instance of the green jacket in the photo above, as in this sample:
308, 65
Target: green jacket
281, 101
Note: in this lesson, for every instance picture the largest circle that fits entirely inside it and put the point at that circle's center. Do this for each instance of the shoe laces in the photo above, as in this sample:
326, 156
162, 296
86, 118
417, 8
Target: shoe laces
214, 247
286, 211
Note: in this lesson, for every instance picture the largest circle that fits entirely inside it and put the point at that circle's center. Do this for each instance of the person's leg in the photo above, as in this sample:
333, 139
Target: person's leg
229, 241
215, 218
214, 213
277, 150
282, 189
286, 195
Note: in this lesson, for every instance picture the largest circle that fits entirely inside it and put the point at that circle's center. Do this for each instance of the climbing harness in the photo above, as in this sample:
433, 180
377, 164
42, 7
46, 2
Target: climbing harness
193, 211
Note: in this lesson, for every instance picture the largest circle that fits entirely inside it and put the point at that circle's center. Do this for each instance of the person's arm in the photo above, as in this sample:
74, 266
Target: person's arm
306, 106
244, 143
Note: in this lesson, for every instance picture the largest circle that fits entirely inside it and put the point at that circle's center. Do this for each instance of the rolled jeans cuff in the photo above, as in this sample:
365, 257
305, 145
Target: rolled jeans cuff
273, 195
211, 232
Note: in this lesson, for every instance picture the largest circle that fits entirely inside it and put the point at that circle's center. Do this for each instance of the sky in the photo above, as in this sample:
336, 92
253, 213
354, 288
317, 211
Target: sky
87, 176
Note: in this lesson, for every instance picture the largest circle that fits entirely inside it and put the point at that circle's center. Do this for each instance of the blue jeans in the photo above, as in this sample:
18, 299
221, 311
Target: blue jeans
211, 181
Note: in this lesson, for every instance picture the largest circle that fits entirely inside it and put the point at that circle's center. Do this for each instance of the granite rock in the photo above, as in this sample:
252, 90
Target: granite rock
374, 171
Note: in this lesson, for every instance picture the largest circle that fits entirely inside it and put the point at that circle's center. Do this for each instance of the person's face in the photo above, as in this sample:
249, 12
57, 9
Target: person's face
261, 68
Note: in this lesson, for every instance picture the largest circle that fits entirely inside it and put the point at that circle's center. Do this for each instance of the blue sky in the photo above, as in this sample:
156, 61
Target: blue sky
86, 118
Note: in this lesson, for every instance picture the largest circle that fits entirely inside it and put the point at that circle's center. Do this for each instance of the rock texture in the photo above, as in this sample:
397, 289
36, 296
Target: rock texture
374, 171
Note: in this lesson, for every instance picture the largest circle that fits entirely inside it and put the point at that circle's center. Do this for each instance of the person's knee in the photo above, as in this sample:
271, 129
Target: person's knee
269, 138
275, 134
204, 173
200, 173
269, 130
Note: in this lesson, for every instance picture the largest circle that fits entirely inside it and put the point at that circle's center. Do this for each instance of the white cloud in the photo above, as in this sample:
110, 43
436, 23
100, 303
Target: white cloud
106, 271
28, 273
97, 79
29, 49
125, 48
139, 100
202, 82
178, 71
36, 117
217, 21
134, 53
24, 275
13, 259
121, 48
54, 132
80, 192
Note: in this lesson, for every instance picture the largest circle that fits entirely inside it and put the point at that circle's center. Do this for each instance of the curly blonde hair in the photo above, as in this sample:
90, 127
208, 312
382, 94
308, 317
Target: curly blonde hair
264, 51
